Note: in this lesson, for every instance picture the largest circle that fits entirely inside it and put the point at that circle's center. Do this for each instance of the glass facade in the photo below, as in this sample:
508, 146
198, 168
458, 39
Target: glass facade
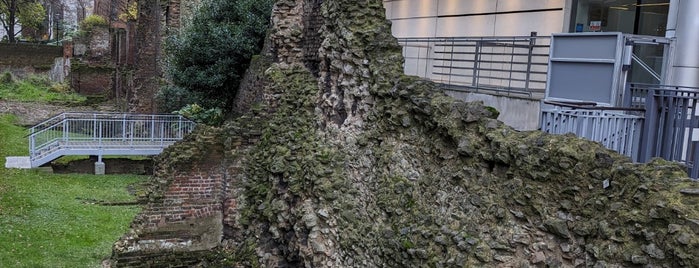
642, 17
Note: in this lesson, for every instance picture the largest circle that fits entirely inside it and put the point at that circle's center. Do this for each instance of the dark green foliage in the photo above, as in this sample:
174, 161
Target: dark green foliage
212, 116
210, 57
171, 98
6, 78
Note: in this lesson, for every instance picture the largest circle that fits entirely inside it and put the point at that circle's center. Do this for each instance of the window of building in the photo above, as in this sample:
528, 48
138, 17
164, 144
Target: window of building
645, 17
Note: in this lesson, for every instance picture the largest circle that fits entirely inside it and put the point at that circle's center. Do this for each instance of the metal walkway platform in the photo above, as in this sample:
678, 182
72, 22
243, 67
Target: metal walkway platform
105, 134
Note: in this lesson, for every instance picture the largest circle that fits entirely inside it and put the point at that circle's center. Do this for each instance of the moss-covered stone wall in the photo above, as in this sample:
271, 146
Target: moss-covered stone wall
356, 165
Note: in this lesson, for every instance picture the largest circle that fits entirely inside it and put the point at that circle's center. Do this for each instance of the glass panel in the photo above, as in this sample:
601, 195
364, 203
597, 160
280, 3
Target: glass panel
646, 17
652, 57
653, 17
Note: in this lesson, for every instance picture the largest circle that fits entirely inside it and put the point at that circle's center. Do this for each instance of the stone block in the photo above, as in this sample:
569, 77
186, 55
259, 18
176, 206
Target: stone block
18, 162
99, 168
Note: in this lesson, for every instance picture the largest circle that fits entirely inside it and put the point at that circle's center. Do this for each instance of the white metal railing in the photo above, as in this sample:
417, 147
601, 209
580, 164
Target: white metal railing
105, 134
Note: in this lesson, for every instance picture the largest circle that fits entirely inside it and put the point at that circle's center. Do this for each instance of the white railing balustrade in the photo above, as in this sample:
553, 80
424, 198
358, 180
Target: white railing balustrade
105, 134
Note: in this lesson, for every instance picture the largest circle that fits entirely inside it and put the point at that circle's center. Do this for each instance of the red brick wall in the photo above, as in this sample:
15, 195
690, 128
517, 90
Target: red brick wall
191, 195
91, 81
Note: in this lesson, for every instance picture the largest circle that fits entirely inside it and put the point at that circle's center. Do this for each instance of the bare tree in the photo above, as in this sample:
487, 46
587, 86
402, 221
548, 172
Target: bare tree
26, 13
82, 9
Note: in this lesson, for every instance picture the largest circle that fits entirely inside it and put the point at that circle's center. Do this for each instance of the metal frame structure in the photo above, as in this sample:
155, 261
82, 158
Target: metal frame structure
504, 65
655, 121
105, 134
671, 130
619, 129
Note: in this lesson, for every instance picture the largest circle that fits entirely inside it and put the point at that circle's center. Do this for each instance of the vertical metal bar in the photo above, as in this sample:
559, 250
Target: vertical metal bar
162, 131
476, 63
527, 77
649, 134
693, 128
32, 145
661, 125
451, 61
682, 120
672, 130
123, 128
179, 127
417, 61
512, 63
94, 127
65, 130
429, 58
99, 141
694, 171
131, 125
152, 128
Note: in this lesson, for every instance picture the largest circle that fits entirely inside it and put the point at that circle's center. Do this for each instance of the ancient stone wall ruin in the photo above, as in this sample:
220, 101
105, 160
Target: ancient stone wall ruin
32, 56
356, 165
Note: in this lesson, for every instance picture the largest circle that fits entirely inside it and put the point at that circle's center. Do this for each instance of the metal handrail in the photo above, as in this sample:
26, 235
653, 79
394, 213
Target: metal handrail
97, 133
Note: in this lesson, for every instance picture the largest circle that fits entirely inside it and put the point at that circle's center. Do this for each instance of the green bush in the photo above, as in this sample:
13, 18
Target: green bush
172, 98
211, 55
6, 78
90, 23
60, 88
210, 116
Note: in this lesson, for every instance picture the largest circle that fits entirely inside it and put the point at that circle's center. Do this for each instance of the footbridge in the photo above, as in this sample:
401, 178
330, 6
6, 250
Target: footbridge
104, 134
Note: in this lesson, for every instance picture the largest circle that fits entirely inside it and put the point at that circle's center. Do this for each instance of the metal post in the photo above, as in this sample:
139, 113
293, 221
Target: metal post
65, 130
451, 61
94, 127
152, 127
162, 131
512, 60
100, 135
649, 134
179, 127
123, 128
132, 134
99, 165
532, 43
476, 63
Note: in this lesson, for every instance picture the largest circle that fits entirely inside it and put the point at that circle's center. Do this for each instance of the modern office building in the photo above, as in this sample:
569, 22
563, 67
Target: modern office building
519, 56
446, 18
425, 27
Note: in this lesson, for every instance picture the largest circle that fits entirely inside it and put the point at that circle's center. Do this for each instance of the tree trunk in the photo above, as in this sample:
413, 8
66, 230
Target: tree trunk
12, 10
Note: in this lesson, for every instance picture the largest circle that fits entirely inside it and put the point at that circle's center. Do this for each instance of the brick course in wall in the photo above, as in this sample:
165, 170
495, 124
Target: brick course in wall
28, 55
193, 195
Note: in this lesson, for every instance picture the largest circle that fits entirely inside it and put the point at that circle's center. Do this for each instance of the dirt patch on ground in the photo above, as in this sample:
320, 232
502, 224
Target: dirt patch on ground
31, 113
112, 166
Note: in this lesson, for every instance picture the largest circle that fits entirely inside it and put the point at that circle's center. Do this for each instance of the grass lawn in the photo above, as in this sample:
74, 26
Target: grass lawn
48, 220
36, 88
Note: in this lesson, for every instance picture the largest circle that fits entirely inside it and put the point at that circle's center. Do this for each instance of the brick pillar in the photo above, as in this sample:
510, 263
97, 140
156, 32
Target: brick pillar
147, 68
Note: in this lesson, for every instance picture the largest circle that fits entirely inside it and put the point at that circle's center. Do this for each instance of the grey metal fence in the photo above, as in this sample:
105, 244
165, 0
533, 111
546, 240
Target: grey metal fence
509, 65
104, 134
615, 128
671, 129
654, 121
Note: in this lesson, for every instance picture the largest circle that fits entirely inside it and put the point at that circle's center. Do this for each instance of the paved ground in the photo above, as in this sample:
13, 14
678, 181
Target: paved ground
30, 113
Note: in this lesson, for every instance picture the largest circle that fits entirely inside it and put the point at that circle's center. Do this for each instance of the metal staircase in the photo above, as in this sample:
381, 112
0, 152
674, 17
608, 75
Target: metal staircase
105, 134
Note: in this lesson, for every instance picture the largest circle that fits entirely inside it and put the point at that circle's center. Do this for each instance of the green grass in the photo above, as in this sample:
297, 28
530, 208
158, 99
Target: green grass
37, 88
48, 220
